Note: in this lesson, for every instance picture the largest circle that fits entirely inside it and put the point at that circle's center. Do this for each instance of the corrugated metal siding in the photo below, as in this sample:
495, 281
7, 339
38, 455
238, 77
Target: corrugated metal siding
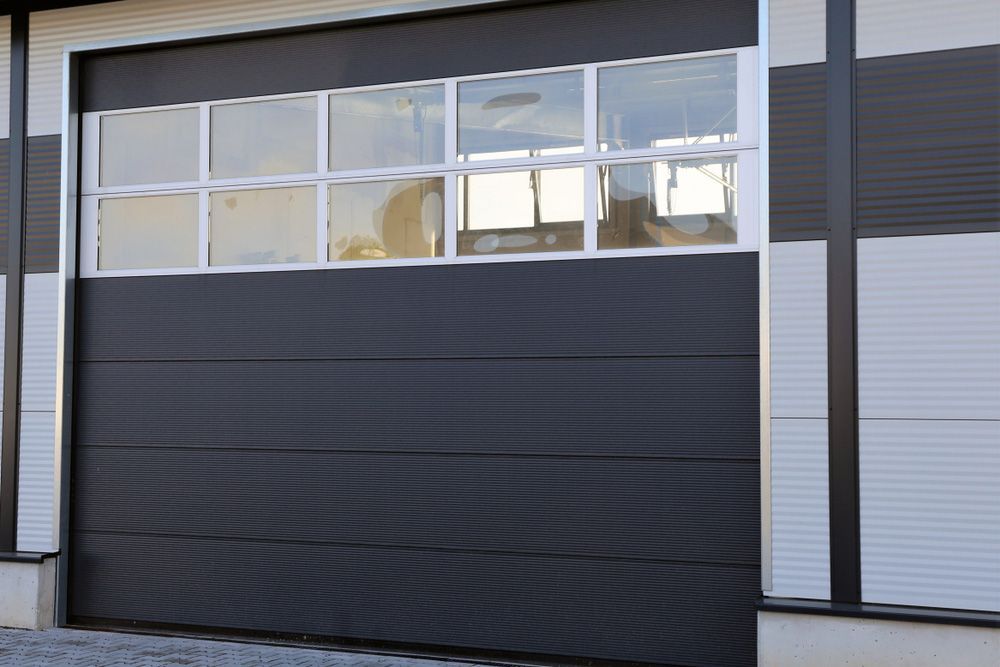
798, 152
798, 330
38, 369
51, 30
41, 243
36, 477
35, 485
929, 142
797, 32
565, 453
929, 327
930, 513
800, 509
889, 27
4, 77
800, 535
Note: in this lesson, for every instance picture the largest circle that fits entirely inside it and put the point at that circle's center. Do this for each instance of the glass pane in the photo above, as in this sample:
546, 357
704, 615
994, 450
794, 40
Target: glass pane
387, 219
387, 128
273, 226
524, 116
522, 211
679, 103
149, 147
148, 232
656, 204
264, 138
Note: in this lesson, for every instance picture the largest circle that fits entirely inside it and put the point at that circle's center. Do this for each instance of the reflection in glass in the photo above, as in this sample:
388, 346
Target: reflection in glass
148, 232
677, 203
273, 226
387, 219
149, 147
524, 116
677, 103
264, 138
522, 211
387, 128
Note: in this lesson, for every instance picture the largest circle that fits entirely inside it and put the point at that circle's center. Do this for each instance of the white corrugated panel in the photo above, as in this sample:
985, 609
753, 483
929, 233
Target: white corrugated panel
890, 27
36, 481
38, 365
797, 31
798, 329
51, 30
929, 327
930, 513
4, 77
800, 514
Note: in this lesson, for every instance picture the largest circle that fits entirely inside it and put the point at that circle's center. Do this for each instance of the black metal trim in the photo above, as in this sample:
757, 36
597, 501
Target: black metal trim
15, 279
26, 556
842, 312
888, 612
350, 645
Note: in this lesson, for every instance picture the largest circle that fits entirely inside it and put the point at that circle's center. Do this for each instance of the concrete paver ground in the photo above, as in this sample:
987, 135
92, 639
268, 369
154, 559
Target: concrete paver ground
63, 647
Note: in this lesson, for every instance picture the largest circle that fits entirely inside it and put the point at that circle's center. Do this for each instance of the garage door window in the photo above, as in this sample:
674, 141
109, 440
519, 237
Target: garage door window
600, 160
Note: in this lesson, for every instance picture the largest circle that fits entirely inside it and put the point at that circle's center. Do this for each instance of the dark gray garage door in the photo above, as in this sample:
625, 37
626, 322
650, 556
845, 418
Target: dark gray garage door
553, 458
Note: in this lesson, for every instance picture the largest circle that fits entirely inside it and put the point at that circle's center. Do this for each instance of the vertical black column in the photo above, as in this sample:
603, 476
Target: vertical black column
845, 552
15, 279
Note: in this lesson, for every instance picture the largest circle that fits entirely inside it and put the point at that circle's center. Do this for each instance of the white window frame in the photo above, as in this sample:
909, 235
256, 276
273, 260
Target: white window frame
745, 149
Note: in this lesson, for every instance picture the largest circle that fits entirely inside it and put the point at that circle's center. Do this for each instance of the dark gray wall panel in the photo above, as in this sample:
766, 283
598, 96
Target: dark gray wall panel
657, 612
471, 42
700, 407
798, 152
693, 305
929, 143
41, 242
655, 509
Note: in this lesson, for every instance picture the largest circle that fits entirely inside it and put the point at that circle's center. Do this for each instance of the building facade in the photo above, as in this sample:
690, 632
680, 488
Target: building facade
636, 332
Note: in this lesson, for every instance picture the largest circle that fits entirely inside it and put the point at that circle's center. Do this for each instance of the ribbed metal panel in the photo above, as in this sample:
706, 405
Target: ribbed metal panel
929, 141
930, 512
38, 369
35, 486
889, 27
798, 330
41, 243
800, 509
4, 77
53, 29
797, 32
798, 152
929, 327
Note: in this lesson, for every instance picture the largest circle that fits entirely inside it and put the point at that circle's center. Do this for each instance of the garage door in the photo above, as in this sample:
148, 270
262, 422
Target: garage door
555, 457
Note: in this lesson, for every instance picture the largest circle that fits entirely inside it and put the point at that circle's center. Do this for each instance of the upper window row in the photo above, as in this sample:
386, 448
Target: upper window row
651, 105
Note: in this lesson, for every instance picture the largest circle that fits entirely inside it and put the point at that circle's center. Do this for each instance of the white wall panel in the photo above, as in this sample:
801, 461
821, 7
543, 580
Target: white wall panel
930, 513
890, 27
4, 77
36, 485
51, 30
797, 32
41, 317
929, 327
800, 509
798, 329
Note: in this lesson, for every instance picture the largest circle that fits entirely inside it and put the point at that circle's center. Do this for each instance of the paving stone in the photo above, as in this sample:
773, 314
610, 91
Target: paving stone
85, 648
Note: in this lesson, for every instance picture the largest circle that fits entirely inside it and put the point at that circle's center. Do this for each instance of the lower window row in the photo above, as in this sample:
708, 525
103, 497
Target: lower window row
646, 205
